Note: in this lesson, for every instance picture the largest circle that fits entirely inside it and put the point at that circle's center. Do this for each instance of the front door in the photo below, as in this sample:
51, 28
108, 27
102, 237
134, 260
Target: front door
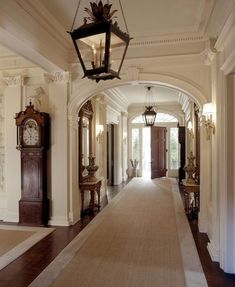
158, 152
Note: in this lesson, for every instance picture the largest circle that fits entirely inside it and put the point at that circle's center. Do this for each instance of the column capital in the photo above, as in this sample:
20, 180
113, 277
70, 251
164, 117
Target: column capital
57, 77
73, 121
14, 81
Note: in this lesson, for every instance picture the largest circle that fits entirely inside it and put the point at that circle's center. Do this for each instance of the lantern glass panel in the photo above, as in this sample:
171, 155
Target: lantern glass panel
92, 50
117, 50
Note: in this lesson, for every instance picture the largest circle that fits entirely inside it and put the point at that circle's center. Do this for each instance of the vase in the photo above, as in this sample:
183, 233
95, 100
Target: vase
190, 168
92, 168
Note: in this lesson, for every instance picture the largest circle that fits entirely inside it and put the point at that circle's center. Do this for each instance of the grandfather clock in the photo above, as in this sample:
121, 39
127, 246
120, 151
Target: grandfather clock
33, 142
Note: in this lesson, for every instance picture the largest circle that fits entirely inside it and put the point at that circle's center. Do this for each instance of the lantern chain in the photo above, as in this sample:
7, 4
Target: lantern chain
79, 2
123, 16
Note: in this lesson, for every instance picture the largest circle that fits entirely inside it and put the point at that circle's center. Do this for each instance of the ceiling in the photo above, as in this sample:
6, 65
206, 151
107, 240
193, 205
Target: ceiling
137, 93
151, 18
148, 20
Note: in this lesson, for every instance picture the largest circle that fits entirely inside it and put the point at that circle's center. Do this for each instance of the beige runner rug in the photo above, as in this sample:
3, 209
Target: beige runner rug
133, 242
15, 240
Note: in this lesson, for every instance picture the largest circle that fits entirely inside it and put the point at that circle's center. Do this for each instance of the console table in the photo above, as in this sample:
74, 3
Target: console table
191, 198
94, 188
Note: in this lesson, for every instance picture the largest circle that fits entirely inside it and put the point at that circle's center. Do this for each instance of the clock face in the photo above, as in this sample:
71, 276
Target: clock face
31, 132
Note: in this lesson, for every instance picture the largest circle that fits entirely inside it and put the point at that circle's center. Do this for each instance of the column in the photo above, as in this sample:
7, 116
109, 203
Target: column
74, 194
58, 152
13, 105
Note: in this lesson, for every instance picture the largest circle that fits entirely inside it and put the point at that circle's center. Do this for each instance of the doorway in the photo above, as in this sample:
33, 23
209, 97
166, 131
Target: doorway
140, 146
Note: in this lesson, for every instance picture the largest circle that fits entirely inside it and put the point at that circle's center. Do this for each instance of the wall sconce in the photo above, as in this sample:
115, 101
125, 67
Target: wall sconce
190, 130
99, 133
208, 113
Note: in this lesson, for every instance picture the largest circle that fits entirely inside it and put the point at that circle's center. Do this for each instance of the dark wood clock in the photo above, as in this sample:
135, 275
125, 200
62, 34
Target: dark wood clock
33, 143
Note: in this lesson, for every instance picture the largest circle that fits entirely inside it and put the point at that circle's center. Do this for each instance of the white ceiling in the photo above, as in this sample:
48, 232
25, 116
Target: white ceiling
149, 18
146, 20
137, 93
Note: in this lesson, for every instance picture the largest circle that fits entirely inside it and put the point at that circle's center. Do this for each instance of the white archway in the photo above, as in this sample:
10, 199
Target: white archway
86, 89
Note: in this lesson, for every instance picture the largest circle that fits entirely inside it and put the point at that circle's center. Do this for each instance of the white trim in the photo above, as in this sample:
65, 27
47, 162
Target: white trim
213, 251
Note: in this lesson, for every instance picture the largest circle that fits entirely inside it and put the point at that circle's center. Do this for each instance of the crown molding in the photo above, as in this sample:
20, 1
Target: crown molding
116, 100
159, 40
226, 33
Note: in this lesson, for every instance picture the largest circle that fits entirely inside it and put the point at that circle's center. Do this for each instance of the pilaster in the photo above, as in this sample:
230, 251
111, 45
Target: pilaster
13, 94
58, 93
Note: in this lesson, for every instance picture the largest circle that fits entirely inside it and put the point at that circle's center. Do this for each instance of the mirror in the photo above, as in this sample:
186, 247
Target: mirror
85, 139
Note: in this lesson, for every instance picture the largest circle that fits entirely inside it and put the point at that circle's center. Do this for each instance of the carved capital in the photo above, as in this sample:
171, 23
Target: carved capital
56, 77
73, 121
209, 52
14, 81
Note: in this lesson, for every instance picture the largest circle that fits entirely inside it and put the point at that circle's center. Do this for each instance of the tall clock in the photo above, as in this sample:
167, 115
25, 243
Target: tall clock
33, 143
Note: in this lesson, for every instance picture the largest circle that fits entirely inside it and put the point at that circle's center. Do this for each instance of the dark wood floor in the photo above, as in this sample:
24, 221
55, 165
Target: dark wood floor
28, 266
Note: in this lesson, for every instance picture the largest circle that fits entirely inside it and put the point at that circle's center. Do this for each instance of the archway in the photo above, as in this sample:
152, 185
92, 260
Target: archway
87, 90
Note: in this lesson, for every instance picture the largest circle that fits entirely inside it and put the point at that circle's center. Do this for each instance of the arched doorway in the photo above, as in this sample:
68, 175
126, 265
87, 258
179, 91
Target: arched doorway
140, 144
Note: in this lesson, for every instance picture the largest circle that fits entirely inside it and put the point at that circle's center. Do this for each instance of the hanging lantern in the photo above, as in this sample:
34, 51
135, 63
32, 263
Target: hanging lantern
97, 42
149, 115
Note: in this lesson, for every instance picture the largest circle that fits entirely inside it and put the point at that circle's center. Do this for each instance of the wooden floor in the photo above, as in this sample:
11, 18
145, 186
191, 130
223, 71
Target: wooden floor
27, 267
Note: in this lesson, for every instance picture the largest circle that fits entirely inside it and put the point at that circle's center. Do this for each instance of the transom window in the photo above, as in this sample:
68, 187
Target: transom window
161, 118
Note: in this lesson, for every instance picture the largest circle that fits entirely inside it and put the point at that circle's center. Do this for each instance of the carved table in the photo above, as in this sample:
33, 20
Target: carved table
94, 188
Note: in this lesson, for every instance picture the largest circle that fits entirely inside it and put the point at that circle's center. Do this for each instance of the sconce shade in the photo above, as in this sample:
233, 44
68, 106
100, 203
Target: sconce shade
190, 126
208, 109
100, 45
208, 112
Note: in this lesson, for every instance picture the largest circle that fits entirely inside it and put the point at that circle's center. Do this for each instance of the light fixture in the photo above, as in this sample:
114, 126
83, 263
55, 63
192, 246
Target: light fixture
99, 133
149, 115
190, 130
100, 45
208, 112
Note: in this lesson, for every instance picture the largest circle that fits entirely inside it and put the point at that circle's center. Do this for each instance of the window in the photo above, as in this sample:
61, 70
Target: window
174, 151
135, 144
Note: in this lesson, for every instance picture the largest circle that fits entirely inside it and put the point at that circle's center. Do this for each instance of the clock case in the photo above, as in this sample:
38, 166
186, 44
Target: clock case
34, 204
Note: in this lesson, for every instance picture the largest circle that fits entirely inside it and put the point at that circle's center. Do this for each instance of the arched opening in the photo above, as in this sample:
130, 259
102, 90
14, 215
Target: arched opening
111, 108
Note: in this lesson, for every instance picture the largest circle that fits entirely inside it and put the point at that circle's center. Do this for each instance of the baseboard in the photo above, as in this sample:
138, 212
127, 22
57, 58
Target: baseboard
213, 251
202, 224
59, 221
74, 217
11, 217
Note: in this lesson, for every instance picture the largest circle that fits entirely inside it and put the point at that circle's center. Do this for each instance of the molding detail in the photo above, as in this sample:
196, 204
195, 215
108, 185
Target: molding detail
57, 77
73, 121
213, 251
164, 41
209, 52
13, 81
227, 30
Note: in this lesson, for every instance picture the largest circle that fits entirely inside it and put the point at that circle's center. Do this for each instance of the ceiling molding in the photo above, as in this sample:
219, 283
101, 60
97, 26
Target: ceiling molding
166, 40
116, 100
226, 33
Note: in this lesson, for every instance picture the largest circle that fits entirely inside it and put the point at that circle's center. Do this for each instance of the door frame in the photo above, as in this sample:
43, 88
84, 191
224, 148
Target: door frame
168, 125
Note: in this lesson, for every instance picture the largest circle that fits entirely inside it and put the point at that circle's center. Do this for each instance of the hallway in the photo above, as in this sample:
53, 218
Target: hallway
24, 269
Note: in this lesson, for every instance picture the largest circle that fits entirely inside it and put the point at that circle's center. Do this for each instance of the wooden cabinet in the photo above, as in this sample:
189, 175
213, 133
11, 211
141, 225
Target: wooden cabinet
181, 136
33, 142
